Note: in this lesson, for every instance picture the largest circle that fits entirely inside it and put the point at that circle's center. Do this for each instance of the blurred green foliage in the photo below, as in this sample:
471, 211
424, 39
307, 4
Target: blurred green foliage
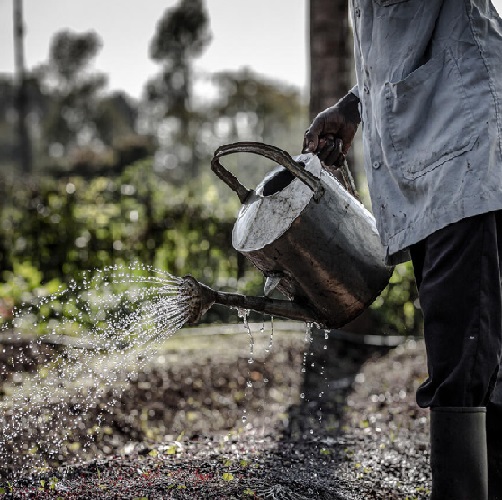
53, 230
395, 311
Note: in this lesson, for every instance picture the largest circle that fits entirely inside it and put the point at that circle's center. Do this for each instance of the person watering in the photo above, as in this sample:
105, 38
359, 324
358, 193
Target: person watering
429, 96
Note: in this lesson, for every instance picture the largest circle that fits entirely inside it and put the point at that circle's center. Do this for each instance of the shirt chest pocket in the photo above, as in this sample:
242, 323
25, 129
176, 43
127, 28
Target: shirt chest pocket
426, 118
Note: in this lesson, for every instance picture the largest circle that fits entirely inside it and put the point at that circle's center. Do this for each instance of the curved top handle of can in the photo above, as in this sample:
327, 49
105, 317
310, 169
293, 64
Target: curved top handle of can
271, 152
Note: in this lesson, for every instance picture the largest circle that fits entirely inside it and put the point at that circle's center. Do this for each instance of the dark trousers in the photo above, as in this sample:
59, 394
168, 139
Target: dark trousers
458, 272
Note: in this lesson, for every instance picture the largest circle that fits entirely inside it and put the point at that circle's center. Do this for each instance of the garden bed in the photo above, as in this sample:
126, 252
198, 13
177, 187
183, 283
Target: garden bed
206, 419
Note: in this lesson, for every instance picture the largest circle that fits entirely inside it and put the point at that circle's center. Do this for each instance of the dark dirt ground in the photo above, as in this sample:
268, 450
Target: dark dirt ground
200, 421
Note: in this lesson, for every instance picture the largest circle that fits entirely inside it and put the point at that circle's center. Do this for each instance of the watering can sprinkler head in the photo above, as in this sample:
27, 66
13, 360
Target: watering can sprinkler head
201, 298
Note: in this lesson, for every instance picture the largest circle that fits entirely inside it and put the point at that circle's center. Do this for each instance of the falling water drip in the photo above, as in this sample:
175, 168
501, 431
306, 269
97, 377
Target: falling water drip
308, 341
271, 338
243, 314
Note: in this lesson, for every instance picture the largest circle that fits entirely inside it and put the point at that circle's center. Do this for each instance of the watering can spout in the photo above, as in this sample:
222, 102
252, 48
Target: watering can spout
202, 298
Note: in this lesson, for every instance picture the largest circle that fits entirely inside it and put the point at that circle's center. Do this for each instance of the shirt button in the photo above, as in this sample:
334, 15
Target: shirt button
357, 12
366, 89
376, 165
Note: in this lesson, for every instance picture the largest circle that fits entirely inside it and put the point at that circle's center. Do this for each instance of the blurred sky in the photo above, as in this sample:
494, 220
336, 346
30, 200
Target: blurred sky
268, 36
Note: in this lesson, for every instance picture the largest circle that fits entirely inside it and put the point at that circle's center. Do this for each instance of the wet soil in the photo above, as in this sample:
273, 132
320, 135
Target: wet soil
204, 420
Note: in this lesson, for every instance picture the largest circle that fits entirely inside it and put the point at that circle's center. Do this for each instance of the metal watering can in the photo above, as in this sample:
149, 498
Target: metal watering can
313, 240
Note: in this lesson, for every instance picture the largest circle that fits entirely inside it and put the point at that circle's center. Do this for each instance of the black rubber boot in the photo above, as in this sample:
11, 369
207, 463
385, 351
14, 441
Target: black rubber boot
494, 444
458, 454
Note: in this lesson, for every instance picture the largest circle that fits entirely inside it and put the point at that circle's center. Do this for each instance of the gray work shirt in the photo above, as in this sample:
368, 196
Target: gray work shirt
429, 76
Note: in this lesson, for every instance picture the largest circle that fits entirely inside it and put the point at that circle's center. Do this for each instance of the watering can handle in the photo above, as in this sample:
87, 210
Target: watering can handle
272, 153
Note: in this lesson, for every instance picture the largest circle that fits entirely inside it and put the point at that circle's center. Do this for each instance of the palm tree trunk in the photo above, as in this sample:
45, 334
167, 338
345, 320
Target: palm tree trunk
24, 146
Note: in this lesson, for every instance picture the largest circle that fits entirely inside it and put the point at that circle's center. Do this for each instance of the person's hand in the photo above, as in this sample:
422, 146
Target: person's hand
331, 133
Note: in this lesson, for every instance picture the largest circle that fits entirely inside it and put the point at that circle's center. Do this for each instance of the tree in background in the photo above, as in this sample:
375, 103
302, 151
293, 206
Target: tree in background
83, 125
73, 90
181, 35
36, 109
77, 126
24, 144
70, 119
251, 108
266, 106
331, 59
246, 106
8, 118
331, 64
114, 117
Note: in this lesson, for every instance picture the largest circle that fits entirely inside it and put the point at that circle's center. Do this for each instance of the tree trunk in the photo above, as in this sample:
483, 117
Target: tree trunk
332, 72
331, 51
24, 145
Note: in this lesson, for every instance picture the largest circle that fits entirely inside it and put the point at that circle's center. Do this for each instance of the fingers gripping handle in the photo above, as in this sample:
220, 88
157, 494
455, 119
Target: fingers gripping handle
271, 152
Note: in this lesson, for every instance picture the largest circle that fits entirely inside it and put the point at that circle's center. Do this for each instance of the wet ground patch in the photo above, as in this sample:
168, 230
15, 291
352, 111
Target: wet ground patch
201, 421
